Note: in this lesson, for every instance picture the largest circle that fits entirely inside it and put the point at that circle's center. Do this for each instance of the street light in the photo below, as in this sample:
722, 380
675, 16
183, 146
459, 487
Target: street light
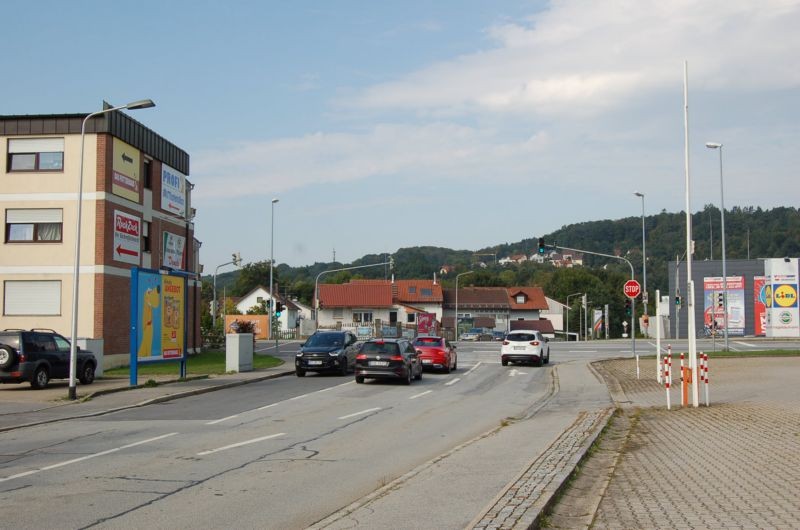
455, 324
644, 256
568, 310
271, 259
714, 145
141, 104
237, 260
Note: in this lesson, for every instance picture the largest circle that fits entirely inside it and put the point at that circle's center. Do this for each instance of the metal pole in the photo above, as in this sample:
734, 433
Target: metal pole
73, 393
272, 324
724, 268
644, 256
692, 331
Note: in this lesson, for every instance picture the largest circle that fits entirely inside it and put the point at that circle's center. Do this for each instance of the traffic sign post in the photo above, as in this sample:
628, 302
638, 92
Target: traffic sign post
632, 289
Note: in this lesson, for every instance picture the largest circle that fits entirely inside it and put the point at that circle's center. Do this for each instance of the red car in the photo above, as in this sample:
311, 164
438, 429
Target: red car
436, 353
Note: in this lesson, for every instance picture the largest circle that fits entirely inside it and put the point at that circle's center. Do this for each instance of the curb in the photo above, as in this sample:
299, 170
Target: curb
160, 399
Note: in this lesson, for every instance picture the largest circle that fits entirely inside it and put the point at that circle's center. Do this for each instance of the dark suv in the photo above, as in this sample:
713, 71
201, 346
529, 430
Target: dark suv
327, 351
39, 355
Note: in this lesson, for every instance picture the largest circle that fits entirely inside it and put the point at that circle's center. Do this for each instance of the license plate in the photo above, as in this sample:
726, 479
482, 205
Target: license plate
522, 348
427, 361
379, 363
314, 363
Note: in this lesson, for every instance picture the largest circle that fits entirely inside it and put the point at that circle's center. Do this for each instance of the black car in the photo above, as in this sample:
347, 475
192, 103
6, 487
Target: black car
327, 351
39, 355
388, 359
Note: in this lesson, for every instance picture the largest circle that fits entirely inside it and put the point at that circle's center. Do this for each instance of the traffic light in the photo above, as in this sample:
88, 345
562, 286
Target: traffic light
720, 299
541, 245
628, 308
677, 299
278, 309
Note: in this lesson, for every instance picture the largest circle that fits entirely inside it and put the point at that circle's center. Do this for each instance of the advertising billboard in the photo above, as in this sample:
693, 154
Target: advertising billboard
172, 250
173, 191
125, 171
760, 305
127, 237
714, 307
158, 316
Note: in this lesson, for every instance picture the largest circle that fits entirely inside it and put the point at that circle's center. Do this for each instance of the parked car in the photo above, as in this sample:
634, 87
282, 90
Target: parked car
472, 334
522, 346
499, 335
327, 351
485, 337
388, 359
39, 355
436, 353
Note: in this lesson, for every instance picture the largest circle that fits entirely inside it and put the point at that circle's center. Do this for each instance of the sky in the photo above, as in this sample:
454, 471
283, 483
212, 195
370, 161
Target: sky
456, 123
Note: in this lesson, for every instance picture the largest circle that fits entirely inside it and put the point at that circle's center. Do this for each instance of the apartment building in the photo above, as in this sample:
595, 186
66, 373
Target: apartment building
136, 211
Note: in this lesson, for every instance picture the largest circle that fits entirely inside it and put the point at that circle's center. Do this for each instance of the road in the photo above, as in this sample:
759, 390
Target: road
292, 452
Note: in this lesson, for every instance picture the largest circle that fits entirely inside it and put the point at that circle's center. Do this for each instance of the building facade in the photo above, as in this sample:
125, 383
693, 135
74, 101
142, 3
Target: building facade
136, 212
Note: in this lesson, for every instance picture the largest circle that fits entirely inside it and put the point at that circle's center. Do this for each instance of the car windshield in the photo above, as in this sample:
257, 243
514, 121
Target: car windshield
377, 348
428, 341
521, 337
325, 340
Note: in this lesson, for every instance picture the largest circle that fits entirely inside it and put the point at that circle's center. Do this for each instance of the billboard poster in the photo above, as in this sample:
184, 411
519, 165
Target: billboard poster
782, 320
426, 324
714, 308
159, 313
173, 191
127, 235
125, 171
172, 250
597, 322
760, 304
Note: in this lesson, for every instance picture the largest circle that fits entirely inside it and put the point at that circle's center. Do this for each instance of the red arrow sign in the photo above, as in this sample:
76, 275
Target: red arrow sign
121, 250
632, 289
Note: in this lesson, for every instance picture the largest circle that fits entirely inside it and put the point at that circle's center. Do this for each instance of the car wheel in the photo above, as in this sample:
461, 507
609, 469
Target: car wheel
418, 377
359, 379
447, 368
7, 357
455, 363
539, 361
504, 362
40, 378
547, 359
407, 380
300, 372
343, 366
86, 376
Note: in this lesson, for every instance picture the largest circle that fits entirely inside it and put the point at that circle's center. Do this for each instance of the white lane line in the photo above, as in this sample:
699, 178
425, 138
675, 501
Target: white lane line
280, 402
221, 420
454, 381
240, 444
87, 457
474, 368
353, 415
582, 351
745, 344
420, 395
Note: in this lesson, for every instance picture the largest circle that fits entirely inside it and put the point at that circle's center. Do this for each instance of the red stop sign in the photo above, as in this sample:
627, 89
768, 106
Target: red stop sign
632, 289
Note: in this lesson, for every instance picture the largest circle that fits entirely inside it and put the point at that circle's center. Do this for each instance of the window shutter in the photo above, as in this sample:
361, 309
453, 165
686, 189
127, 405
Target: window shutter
32, 297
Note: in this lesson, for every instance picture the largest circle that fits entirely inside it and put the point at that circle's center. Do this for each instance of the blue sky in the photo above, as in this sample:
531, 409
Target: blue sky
457, 123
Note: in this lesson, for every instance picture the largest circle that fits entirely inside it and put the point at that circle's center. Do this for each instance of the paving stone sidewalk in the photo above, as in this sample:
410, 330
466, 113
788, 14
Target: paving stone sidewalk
734, 464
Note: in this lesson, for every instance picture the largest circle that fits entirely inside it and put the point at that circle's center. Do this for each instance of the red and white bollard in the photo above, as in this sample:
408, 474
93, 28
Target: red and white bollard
667, 378
705, 375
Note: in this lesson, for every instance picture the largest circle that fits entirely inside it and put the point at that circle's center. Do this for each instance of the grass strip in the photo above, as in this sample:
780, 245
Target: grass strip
206, 363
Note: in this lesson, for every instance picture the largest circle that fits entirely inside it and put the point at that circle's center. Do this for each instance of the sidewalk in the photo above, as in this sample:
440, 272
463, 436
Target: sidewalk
20, 406
734, 464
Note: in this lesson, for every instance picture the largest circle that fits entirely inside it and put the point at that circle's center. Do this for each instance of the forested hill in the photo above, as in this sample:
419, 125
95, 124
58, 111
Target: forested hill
750, 232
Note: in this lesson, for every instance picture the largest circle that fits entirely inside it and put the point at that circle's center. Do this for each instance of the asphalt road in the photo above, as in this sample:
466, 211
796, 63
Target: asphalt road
292, 452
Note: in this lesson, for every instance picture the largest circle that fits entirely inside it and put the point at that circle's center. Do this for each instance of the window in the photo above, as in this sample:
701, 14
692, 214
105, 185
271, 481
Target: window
427, 292
411, 318
26, 298
362, 316
520, 298
412, 290
147, 171
146, 236
34, 225
338, 313
36, 154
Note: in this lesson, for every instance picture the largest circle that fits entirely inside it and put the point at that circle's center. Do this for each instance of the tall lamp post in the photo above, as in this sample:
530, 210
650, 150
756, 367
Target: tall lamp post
455, 322
141, 104
568, 310
714, 145
644, 257
237, 260
271, 260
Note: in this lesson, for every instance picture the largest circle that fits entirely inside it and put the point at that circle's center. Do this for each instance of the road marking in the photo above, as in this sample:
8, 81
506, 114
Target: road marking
515, 372
420, 395
582, 351
454, 381
745, 344
222, 419
474, 368
240, 444
353, 415
87, 457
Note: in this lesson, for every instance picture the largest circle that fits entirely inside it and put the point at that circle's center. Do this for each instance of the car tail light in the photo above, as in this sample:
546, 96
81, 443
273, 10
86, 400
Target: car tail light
361, 357
21, 357
534, 343
506, 343
419, 351
396, 358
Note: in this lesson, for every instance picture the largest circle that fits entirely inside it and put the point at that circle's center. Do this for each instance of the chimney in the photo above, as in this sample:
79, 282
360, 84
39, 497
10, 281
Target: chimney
434, 277
392, 277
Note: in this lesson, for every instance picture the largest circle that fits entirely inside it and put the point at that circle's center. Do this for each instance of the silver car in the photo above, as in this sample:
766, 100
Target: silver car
525, 346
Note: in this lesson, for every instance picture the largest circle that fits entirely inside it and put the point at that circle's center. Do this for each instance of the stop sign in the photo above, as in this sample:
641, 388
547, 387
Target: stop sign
632, 289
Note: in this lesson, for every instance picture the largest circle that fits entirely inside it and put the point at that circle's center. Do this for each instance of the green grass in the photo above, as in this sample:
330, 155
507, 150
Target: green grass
205, 363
